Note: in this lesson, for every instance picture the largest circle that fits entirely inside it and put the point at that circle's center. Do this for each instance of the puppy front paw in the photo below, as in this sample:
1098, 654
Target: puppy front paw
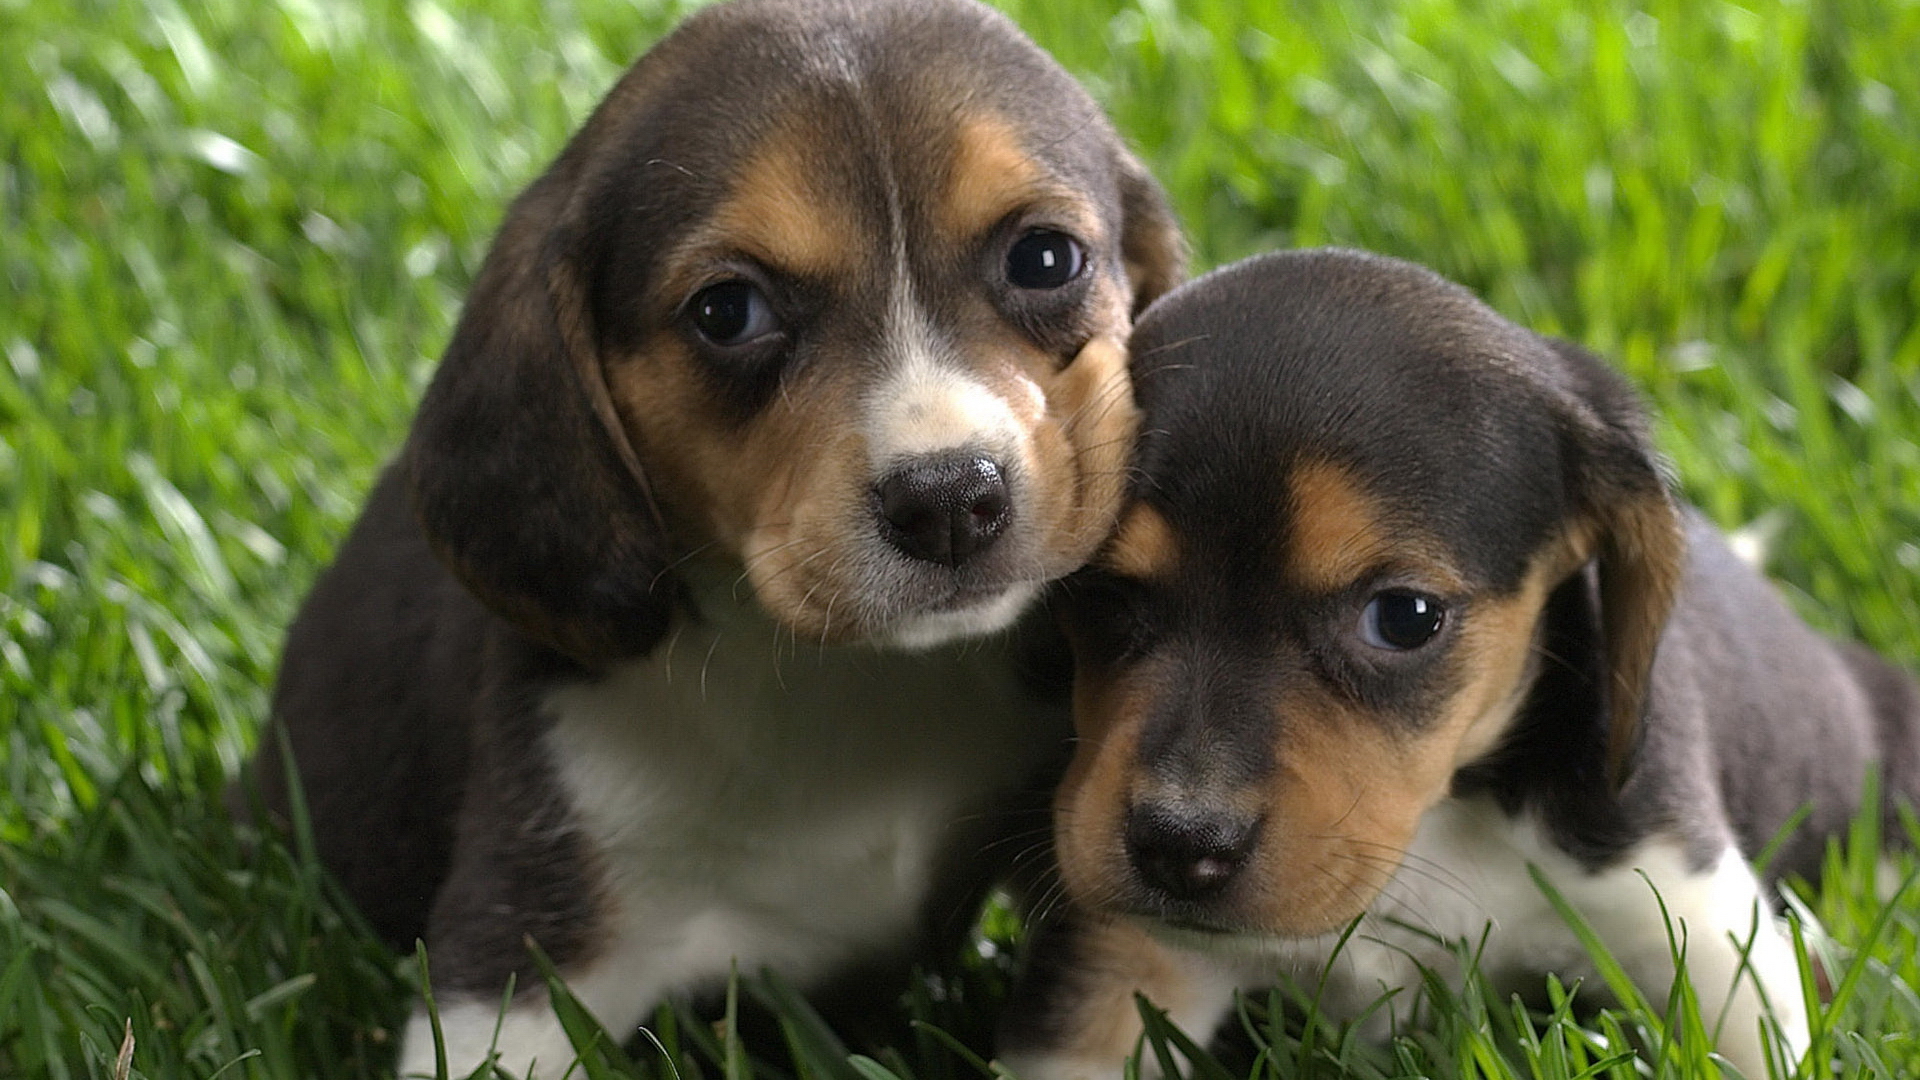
1075, 1015
1041, 1065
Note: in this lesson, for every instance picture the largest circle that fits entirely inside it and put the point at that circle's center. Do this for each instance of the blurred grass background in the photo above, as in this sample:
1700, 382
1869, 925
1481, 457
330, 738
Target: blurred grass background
235, 234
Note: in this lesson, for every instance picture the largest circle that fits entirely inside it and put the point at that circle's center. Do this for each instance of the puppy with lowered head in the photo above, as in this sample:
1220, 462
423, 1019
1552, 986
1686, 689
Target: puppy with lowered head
799, 371
1401, 605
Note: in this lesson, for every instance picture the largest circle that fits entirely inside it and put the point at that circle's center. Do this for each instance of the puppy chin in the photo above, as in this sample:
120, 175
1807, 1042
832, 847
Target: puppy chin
932, 629
1228, 944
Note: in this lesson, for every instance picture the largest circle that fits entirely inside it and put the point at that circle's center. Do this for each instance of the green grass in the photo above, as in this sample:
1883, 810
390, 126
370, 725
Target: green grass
235, 234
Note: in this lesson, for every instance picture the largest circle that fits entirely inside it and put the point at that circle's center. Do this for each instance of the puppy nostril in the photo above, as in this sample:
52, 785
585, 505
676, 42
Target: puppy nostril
990, 510
944, 509
1188, 855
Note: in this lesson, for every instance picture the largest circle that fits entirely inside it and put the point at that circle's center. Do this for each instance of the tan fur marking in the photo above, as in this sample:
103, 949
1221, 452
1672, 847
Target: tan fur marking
1162, 261
1078, 454
1498, 652
1345, 800
1337, 533
991, 174
1642, 551
1352, 789
1340, 534
1090, 803
1144, 546
778, 493
775, 212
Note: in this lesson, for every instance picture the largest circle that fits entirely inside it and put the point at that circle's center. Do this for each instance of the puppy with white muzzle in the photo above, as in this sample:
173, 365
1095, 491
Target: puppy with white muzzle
800, 370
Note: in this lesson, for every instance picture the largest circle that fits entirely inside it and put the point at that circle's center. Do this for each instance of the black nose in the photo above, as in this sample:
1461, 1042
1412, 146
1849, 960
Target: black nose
945, 509
1189, 855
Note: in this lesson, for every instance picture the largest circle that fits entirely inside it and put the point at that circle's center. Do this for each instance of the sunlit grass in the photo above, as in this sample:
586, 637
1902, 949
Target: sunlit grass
234, 236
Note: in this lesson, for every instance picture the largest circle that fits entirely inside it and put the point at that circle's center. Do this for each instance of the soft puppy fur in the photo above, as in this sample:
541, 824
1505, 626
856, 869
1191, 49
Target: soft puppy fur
798, 372
1401, 604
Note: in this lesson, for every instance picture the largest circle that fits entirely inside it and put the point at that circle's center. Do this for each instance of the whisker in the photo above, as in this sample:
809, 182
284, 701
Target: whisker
708, 662
774, 658
666, 658
1169, 347
787, 569
1345, 816
677, 563
1109, 394
1439, 872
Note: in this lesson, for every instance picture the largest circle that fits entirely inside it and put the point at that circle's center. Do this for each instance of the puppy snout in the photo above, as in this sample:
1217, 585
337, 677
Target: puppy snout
1188, 854
944, 509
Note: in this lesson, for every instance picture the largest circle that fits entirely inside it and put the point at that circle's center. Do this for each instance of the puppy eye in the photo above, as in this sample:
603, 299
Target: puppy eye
1401, 620
1044, 259
732, 313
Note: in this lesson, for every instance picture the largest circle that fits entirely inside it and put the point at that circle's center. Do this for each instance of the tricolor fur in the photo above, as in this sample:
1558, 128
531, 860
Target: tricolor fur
798, 372
1400, 606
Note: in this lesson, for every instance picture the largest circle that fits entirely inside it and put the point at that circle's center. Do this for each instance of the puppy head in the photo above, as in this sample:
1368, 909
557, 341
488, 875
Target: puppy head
1357, 488
833, 292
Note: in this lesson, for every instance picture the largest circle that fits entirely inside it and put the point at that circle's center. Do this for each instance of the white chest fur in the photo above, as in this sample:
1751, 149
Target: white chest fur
754, 802
1466, 875
784, 813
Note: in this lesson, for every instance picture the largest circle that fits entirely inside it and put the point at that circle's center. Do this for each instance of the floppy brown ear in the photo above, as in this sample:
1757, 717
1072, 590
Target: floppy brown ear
1151, 243
524, 481
1638, 543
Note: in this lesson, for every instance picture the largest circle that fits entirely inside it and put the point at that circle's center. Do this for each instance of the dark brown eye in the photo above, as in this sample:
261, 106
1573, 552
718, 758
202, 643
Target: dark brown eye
1401, 620
732, 313
1044, 259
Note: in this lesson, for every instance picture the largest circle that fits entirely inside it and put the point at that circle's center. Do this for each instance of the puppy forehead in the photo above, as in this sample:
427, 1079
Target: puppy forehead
1337, 529
830, 189
1435, 412
817, 135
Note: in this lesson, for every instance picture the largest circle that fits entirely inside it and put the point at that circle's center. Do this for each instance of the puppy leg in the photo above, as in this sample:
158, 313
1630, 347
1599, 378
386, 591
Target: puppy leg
616, 989
1074, 1016
618, 963
1723, 915
530, 1037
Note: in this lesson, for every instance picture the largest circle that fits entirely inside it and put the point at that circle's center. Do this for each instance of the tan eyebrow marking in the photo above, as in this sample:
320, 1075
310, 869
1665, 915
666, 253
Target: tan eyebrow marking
991, 175
1337, 532
775, 211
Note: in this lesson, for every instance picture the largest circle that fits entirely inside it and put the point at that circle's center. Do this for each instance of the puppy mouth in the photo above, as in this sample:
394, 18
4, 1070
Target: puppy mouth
965, 612
1186, 919
1199, 936
867, 593
1196, 926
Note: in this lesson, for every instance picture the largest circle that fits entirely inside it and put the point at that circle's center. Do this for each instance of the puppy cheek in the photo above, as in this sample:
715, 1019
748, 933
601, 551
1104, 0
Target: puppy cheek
799, 551
1081, 450
1353, 795
667, 419
1500, 648
1348, 799
1090, 804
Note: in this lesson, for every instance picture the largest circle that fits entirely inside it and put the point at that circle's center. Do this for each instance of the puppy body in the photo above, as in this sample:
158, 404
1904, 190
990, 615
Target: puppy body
1401, 607
800, 368
819, 812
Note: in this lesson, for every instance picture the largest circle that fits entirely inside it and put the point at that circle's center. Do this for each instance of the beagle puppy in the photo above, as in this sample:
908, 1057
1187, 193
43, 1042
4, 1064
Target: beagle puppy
1400, 607
799, 372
